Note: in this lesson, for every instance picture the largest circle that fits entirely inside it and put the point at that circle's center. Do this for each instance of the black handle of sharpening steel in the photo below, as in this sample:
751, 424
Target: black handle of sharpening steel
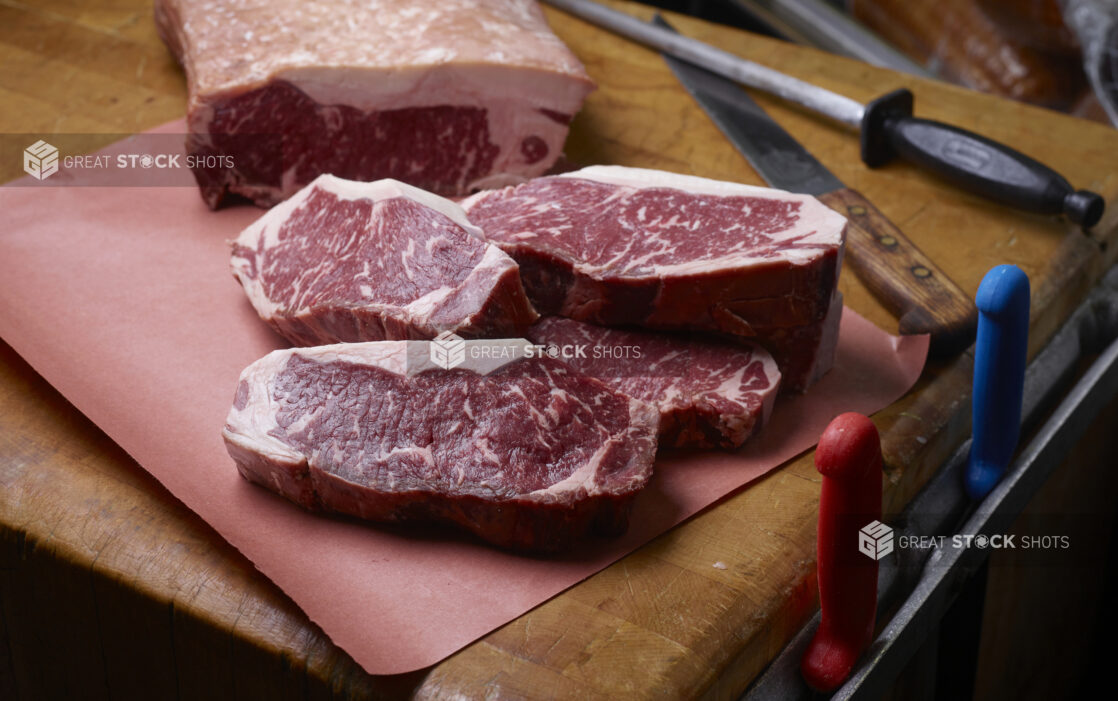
970, 161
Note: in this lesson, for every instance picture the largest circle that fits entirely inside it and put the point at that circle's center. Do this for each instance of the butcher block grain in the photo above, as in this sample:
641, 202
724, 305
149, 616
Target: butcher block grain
448, 95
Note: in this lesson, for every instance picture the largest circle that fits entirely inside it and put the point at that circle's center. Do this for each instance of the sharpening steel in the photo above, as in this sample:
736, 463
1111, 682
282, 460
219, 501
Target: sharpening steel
886, 125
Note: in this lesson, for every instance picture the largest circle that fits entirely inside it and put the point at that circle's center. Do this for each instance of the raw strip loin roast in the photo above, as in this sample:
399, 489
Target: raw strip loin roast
448, 95
710, 393
350, 261
624, 246
531, 455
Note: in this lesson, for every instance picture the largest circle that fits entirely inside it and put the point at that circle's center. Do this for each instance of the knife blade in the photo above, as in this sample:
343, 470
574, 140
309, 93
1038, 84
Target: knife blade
894, 269
886, 125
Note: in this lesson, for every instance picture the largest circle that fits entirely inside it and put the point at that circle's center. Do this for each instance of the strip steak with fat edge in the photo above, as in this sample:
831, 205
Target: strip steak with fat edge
621, 246
349, 261
531, 455
710, 393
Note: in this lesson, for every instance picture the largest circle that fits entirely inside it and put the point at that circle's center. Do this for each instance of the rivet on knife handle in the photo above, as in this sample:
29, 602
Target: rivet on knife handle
902, 277
972, 162
851, 541
999, 376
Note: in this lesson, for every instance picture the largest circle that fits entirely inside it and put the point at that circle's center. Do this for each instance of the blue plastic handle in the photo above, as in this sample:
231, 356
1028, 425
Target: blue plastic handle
999, 375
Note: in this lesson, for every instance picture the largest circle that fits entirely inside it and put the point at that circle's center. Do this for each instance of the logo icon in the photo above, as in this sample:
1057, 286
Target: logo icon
875, 540
448, 350
40, 160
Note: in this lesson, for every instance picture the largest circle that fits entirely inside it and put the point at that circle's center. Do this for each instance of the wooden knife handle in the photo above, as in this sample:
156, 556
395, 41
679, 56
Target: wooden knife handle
906, 281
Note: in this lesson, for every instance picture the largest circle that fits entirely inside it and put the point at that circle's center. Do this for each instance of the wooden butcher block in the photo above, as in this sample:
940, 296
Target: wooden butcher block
110, 587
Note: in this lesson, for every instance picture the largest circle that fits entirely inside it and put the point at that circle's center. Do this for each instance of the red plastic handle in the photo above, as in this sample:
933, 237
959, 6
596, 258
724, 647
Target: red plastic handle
849, 458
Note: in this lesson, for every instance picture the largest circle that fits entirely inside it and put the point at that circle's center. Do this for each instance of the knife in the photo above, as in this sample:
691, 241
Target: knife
850, 541
886, 125
999, 376
906, 281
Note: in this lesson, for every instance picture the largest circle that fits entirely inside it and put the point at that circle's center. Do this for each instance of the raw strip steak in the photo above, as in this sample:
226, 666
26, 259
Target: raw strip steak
531, 455
710, 393
806, 353
448, 95
628, 246
350, 261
